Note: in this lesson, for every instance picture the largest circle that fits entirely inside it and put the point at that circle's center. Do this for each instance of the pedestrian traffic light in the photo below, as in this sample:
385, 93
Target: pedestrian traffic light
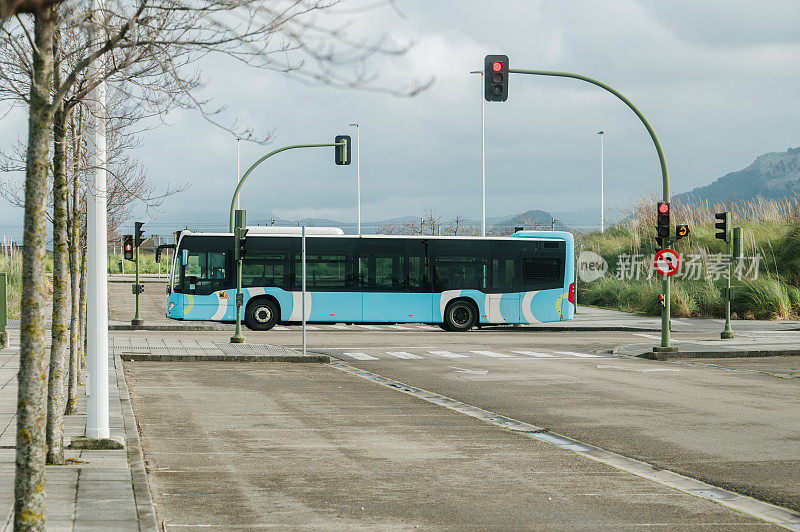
240, 243
127, 247
138, 233
723, 226
495, 78
662, 223
681, 231
342, 149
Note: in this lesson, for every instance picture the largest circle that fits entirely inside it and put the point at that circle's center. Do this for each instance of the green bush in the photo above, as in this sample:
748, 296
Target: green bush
762, 299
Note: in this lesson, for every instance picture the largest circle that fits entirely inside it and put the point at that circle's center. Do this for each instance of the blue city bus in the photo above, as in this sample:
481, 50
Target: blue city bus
453, 281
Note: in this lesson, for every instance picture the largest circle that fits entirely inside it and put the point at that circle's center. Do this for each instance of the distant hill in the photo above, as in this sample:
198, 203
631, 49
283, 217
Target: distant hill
771, 176
532, 219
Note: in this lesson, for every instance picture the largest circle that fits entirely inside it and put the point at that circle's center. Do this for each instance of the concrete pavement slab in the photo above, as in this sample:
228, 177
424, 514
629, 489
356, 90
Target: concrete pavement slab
279, 445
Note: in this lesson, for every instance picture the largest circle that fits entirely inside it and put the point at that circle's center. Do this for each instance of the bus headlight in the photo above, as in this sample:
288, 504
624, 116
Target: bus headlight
170, 306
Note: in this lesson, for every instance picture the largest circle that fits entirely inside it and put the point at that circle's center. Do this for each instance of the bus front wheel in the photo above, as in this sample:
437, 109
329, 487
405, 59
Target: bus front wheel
261, 315
460, 316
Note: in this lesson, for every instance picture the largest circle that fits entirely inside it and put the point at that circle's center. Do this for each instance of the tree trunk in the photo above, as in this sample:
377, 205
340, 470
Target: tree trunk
75, 223
29, 481
58, 346
82, 313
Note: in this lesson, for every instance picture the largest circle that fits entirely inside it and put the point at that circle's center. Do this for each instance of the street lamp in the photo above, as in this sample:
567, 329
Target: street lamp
483, 159
358, 174
602, 208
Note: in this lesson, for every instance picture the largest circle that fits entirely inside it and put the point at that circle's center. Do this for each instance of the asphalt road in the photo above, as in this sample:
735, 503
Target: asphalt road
732, 423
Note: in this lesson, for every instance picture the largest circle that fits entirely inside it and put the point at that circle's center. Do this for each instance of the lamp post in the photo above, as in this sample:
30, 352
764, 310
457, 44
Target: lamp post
483, 159
237, 168
602, 207
358, 173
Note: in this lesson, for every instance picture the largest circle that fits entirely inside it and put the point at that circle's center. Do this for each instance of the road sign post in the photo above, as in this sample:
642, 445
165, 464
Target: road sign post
724, 233
137, 288
665, 314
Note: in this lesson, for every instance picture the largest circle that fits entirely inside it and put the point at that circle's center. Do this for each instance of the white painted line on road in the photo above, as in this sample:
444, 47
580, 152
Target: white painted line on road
279, 328
369, 327
399, 327
361, 356
447, 354
310, 328
471, 371
534, 354
340, 327
648, 370
492, 354
403, 354
650, 336
574, 354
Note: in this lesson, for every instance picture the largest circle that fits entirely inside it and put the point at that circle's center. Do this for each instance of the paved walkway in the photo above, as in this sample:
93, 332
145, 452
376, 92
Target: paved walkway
96, 490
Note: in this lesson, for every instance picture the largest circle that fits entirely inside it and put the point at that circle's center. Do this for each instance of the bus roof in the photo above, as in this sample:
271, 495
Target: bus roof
335, 231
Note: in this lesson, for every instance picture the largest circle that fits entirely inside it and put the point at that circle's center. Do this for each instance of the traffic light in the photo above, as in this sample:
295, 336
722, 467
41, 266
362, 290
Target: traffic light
138, 233
738, 244
127, 247
240, 243
662, 223
342, 152
681, 231
723, 226
495, 78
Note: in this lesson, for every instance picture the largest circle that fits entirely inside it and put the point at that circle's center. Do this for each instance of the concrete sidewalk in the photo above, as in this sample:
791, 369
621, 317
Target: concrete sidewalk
97, 490
249, 446
744, 344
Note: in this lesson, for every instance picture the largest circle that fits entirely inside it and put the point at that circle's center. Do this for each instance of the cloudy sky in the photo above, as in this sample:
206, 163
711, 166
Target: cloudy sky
718, 80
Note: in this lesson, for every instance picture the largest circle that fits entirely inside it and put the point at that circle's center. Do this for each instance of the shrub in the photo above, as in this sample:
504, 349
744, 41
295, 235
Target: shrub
765, 298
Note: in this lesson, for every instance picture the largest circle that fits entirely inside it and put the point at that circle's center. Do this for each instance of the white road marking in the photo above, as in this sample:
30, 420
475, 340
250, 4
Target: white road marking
310, 328
402, 354
342, 327
650, 336
471, 371
361, 356
399, 327
492, 354
447, 354
579, 355
534, 354
279, 328
369, 327
649, 370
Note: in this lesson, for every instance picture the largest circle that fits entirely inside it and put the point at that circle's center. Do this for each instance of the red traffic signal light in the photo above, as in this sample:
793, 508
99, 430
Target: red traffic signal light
495, 78
127, 247
663, 208
497, 66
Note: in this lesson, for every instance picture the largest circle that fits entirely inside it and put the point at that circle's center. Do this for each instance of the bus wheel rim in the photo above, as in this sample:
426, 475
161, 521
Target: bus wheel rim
460, 316
263, 314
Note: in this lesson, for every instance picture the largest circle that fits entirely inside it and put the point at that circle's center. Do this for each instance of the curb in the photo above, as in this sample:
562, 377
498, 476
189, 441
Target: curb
176, 328
721, 354
157, 357
145, 510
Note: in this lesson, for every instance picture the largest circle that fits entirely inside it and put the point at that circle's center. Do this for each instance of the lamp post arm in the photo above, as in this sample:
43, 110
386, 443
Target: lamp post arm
661, 158
261, 160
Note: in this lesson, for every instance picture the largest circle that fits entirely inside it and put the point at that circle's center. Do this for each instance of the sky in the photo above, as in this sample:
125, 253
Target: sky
717, 79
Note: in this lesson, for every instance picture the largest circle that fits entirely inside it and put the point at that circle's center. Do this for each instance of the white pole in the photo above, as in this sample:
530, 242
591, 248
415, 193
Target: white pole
237, 171
303, 304
358, 174
483, 164
97, 425
121, 253
602, 199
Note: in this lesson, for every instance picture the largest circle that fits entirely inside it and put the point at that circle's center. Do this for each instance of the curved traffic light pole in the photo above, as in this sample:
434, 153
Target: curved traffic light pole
665, 313
264, 158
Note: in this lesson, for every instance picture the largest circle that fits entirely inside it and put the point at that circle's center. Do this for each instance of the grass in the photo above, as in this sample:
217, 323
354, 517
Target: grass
770, 229
147, 264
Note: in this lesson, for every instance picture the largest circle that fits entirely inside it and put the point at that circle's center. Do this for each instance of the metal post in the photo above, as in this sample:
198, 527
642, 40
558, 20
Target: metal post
665, 314
483, 157
97, 423
136, 321
303, 272
358, 173
121, 254
237, 168
241, 222
727, 332
602, 199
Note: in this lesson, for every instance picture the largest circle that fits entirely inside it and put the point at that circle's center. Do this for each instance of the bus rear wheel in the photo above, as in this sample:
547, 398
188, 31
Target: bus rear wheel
460, 316
261, 315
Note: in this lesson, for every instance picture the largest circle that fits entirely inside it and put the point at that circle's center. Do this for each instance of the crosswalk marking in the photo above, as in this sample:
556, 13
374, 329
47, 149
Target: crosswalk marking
492, 354
403, 354
534, 354
447, 354
579, 355
361, 356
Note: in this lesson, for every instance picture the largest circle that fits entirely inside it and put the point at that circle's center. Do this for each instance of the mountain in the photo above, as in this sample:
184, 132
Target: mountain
771, 176
532, 219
